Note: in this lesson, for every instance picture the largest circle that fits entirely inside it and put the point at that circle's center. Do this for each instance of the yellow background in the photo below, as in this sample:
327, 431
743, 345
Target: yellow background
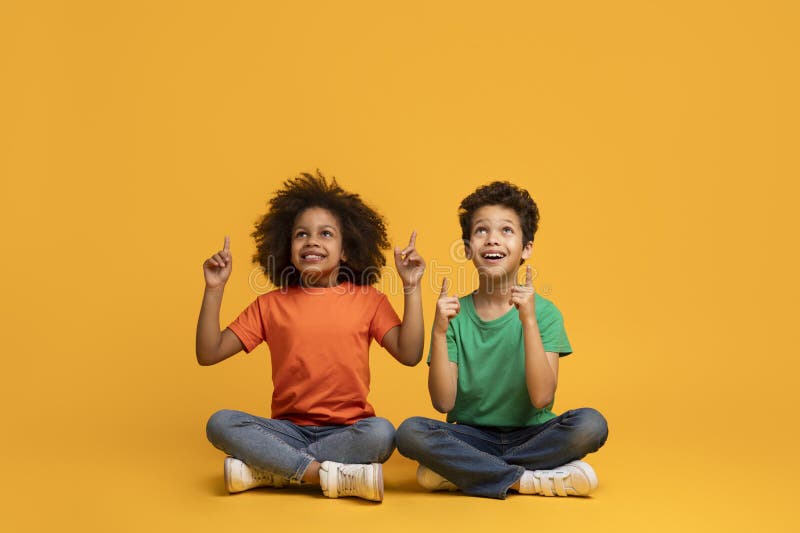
658, 138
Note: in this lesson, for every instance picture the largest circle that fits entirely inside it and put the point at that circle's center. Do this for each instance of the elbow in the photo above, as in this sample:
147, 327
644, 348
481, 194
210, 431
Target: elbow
442, 407
204, 359
413, 360
407, 355
444, 403
540, 401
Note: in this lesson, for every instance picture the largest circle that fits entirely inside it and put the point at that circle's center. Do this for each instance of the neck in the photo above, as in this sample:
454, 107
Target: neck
313, 279
494, 291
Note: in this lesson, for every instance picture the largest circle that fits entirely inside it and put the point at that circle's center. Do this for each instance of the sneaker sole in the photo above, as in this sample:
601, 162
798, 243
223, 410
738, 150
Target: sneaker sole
378, 469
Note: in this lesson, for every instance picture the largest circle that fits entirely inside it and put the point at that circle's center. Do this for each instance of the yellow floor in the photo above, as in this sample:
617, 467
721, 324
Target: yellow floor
174, 482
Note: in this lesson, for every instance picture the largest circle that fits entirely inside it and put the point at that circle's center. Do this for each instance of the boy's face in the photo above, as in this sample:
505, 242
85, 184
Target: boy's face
317, 247
495, 242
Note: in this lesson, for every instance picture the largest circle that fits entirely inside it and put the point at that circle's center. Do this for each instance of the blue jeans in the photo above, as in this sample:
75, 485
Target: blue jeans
486, 461
286, 449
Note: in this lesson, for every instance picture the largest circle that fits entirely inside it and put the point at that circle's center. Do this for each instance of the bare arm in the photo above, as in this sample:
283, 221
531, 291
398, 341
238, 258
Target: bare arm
541, 368
406, 341
211, 344
443, 373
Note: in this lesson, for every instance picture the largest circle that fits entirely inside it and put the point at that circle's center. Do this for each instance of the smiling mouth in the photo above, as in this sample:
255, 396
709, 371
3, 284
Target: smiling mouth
493, 256
312, 257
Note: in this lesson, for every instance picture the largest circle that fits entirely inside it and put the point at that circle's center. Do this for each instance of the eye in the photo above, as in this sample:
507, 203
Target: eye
508, 229
480, 230
327, 233
300, 234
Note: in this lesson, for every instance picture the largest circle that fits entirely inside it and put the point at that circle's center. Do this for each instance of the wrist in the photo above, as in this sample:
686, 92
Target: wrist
410, 287
439, 330
215, 289
437, 336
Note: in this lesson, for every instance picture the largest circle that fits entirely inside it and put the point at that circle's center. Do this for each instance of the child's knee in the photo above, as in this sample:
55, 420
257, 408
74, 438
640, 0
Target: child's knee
381, 431
219, 423
410, 433
592, 427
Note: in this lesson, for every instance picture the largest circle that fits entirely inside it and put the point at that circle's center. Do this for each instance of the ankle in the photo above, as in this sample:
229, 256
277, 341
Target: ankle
311, 475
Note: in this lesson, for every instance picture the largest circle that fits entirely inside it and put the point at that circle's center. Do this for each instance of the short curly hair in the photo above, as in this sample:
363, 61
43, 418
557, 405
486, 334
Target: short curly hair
505, 194
363, 230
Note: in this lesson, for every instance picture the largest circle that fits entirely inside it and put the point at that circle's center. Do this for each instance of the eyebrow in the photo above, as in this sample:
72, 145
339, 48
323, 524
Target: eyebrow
486, 220
318, 227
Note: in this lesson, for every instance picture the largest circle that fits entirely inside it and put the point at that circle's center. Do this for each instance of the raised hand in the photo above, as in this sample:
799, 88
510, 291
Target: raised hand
410, 265
524, 297
446, 308
217, 268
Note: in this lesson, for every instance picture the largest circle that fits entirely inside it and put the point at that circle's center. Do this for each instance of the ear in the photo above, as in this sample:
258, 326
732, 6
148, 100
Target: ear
467, 251
527, 250
343, 257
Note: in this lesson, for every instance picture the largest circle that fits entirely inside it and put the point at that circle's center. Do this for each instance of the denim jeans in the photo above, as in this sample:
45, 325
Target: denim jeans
286, 449
486, 461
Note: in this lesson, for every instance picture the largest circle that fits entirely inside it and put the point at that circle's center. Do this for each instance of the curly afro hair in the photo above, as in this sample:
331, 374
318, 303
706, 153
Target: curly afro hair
363, 230
505, 194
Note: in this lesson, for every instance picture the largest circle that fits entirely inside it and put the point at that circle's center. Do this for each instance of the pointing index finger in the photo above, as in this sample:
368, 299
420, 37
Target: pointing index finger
227, 246
413, 241
529, 276
445, 286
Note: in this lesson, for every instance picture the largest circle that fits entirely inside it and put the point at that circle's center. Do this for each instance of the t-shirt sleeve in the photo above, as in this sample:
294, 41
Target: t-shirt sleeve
250, 326
554, 336
383, 320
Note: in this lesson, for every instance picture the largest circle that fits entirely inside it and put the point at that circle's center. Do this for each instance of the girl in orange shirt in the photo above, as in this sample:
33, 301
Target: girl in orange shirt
322, 247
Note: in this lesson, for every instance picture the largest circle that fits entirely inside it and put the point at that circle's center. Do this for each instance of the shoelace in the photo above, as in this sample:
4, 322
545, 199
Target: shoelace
264, 478
547, 482
349, 480
261, 476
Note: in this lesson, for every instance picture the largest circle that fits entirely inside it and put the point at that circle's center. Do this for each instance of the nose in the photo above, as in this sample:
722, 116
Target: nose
492, 237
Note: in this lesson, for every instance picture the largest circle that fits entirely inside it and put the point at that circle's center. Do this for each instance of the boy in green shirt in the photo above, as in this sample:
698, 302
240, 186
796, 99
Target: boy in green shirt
494, 368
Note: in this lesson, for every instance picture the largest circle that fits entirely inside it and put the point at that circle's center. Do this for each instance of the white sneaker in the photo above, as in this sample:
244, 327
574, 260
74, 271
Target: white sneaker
363, 481
572, 479
430, 480
239, 477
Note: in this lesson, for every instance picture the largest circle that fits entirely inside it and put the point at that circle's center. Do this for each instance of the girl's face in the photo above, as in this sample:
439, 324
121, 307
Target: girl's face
495, 243
317, 247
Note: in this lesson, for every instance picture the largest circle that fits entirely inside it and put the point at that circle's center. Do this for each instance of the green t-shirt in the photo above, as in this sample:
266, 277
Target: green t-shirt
491, 365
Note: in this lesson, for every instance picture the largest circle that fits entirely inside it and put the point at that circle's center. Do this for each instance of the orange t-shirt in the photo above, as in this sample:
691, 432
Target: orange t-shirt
319, 342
